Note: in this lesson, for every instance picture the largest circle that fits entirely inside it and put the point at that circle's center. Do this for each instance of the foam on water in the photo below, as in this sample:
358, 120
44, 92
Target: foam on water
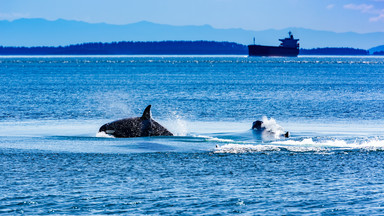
238, 148
102, 134
376, 143
306, 145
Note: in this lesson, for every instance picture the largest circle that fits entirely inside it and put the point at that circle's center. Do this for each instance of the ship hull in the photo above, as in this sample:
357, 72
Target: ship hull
258, 50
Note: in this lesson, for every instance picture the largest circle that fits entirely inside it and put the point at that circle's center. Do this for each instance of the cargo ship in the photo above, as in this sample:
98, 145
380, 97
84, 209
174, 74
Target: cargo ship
289, 47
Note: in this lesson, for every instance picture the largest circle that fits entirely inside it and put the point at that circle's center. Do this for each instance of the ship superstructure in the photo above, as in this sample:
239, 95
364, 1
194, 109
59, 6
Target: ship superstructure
289, 47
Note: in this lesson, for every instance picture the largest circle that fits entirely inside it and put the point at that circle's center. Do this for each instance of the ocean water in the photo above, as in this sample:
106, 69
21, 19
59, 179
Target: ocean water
53, 161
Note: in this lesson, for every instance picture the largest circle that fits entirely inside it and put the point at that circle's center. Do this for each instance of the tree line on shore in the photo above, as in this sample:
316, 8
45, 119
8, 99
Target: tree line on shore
163, 48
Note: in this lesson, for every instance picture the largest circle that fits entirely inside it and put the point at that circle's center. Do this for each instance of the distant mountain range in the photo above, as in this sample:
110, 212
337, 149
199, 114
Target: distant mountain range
40, 32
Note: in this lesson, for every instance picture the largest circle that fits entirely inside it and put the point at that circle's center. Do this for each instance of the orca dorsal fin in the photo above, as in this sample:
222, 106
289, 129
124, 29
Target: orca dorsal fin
147, 113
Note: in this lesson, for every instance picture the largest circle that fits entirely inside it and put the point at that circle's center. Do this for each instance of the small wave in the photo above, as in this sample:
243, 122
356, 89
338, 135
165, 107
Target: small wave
305, 145
373, 143
102, 134
237, 148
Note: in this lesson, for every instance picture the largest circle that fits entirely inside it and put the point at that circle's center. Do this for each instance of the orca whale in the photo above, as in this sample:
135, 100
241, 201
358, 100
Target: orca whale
143, 126
259, 126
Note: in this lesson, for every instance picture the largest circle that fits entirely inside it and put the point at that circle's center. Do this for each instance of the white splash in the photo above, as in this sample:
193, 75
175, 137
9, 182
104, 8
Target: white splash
177, 125
272, 129
102, 134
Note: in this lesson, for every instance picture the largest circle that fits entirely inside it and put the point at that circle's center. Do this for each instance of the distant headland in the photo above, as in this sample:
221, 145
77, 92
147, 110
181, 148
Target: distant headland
134, 48
163, 48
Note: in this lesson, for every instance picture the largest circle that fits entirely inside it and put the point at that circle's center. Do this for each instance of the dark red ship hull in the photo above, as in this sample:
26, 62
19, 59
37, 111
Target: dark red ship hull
257, 50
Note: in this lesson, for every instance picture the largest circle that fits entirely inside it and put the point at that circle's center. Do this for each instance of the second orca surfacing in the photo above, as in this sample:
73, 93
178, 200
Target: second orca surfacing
143, 126
259, 126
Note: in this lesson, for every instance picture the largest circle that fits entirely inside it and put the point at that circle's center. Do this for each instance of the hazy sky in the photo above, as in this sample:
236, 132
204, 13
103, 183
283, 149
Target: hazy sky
335, 15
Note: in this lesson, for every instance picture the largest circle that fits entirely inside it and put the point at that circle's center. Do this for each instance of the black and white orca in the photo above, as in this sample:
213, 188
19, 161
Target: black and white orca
143, 126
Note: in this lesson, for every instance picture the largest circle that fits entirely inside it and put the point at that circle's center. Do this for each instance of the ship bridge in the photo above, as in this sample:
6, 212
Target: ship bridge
289, 42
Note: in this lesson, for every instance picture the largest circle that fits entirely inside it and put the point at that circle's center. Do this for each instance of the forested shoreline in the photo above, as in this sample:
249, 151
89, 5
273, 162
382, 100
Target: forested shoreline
164, 48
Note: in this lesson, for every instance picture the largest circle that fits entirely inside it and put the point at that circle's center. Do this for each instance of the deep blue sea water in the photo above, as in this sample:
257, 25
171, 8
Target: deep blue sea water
53, 161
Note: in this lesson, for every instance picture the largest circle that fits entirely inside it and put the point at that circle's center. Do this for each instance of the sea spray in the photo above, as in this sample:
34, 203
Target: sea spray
272, 129
177, 125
